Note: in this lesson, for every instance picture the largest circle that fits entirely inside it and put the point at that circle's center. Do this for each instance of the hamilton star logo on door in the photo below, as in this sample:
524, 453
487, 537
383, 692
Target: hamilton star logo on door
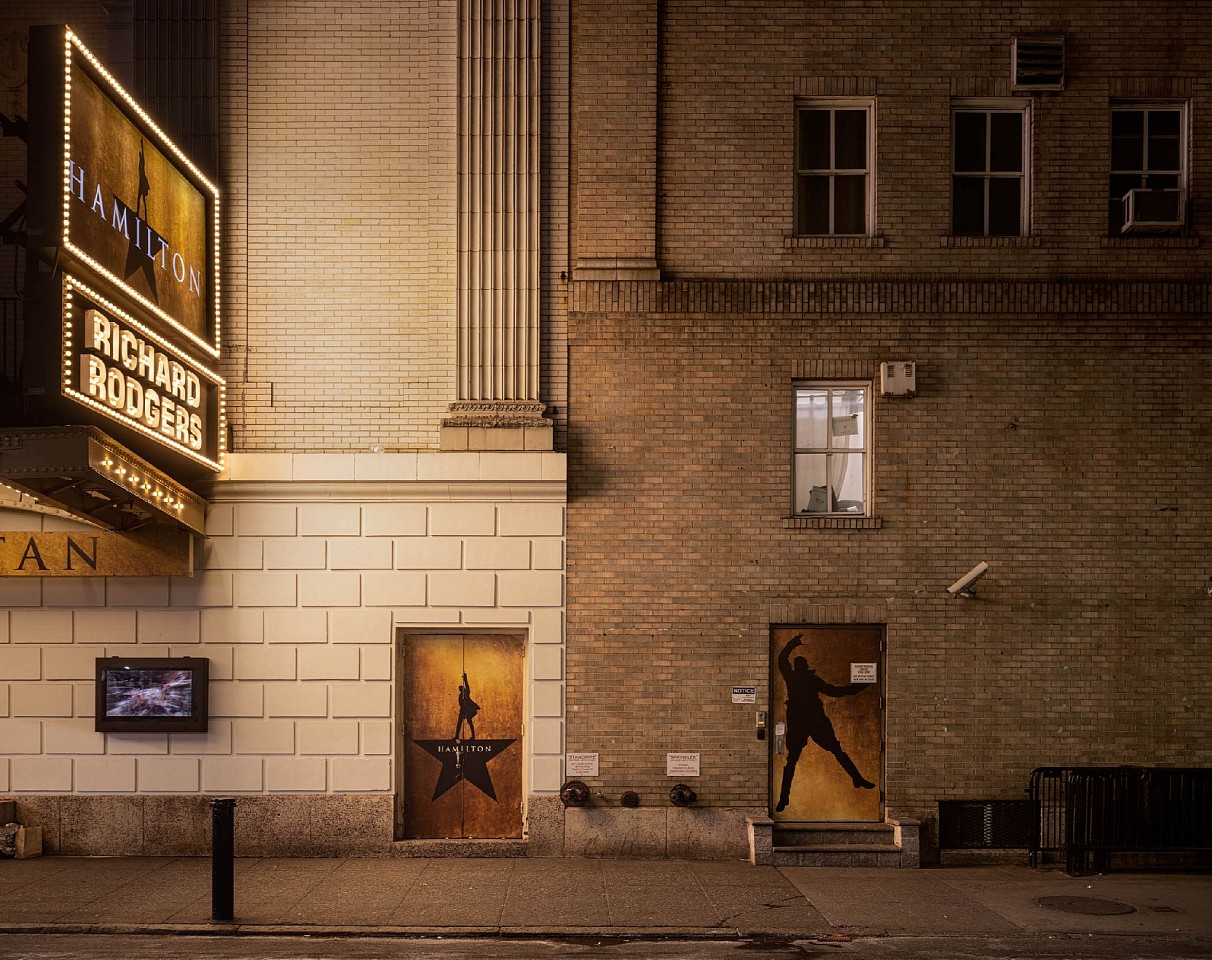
464, 759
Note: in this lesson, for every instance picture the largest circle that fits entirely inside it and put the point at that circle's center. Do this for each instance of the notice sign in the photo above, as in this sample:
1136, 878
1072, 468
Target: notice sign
581, 764
681, 764
862, 673
744, 694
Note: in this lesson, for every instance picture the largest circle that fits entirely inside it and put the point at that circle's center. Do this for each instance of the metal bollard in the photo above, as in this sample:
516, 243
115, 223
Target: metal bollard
222, 860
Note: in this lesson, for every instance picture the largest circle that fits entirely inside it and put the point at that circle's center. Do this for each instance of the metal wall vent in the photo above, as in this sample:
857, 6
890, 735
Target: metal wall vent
1038, 63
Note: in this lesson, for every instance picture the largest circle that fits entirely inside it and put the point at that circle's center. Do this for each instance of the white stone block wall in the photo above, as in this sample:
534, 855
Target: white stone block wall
311, 566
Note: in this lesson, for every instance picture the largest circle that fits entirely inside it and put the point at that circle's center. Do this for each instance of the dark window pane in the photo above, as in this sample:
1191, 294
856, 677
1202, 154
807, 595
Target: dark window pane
814, 140
968, 207
850, 205
1005, 195
970, 143
1124, 182
1164, 122
812, 206
850, 128
1006, 142
1127, 123
1161, 181
1163, 153
1115, 217
1127, 153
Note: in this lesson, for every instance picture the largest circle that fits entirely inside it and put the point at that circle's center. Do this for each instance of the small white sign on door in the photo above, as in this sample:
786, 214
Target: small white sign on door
681, 764
581, 764
862, 673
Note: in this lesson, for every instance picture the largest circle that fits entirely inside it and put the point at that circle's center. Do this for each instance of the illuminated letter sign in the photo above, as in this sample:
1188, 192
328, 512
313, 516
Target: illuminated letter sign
118, 366
135, 209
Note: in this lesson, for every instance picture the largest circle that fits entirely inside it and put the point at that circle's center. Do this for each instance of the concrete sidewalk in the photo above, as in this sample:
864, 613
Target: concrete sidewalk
566, 897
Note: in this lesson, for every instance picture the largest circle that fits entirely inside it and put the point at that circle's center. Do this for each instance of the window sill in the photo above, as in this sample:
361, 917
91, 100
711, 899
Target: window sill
832, 523
1180, 243
793, 242
950, 241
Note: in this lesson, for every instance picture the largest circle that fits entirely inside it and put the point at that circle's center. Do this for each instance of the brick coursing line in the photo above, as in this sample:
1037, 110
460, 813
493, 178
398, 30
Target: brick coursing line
889, 294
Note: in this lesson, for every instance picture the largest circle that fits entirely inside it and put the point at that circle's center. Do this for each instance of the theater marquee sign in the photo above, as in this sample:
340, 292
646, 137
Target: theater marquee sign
123, 411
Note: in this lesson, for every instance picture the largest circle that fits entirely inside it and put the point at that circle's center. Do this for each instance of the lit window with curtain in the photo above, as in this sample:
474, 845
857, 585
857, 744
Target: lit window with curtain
832, 449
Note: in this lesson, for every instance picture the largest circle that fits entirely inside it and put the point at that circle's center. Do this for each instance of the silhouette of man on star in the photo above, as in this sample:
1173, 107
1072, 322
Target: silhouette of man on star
807, 720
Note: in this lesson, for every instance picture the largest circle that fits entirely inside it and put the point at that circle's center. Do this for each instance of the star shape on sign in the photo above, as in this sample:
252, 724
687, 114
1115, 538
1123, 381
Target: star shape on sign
464, 760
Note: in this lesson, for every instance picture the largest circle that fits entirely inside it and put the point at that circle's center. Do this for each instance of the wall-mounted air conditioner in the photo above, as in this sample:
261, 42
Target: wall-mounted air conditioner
1154, 211
898, 378
1037, 63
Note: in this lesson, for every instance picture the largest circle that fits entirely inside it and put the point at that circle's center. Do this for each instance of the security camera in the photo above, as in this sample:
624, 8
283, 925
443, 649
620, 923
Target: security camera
963, 586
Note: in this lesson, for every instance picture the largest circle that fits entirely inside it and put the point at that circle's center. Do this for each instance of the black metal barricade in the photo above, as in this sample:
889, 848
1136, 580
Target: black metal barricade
1086, 814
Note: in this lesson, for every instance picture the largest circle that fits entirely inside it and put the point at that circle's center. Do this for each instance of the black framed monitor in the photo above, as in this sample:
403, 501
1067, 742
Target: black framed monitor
152, 694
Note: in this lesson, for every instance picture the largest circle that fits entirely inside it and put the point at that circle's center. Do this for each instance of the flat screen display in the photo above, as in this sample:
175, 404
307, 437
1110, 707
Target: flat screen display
154, 695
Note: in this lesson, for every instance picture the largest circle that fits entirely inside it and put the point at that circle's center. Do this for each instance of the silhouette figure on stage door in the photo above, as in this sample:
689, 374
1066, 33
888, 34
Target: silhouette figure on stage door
807, 720
468, 709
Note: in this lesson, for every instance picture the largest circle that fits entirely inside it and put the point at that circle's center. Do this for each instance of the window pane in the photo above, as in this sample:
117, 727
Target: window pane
814, 140
1163, 152
810, 483
1161, 181
969, 143
1164, 122
812, 206
1005, 196
968, 207
1006, 142
850, 128
1127, 153
1127, 123
1122, 183
846, 480
811, 419
847, 419
850, 205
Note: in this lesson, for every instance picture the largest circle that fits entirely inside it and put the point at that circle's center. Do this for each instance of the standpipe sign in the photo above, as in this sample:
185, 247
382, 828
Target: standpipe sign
135, 209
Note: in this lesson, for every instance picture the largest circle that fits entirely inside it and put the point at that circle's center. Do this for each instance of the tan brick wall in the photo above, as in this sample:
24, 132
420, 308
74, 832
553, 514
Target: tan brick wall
1056, 433
339, 141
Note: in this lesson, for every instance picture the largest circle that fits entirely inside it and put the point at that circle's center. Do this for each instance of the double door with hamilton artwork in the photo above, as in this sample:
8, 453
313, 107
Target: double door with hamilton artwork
462, 736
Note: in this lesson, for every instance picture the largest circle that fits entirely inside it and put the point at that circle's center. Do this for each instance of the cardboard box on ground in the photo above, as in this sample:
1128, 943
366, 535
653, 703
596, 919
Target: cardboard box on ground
17, 841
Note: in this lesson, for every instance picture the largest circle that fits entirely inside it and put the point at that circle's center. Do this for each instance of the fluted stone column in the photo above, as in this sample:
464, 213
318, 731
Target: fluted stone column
497, 405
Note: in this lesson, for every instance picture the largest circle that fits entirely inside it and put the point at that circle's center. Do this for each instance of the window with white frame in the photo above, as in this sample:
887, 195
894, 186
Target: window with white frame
1148, 164
989, 189
833, 183
832, 449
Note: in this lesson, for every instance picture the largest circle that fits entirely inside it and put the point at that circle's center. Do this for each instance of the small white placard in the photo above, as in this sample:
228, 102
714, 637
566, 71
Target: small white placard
681, 764
581, 764
744, 694
862, 672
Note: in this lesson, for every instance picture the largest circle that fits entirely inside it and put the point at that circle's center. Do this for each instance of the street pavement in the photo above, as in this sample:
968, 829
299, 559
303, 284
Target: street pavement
575, 898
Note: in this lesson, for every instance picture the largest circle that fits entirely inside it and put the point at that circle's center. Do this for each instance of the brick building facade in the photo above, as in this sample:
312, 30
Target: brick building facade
740, 220
1057, 432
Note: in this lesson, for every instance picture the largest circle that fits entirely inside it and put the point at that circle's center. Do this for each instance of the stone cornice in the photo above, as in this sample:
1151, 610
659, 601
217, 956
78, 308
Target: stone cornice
899, 295
395, 491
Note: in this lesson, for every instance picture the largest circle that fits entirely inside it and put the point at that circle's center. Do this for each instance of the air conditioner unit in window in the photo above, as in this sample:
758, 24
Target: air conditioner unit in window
1154, 211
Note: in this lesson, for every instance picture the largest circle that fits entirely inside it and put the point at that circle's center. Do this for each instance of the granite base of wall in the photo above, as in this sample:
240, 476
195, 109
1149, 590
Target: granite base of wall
351, 825
675, 833
299, 825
